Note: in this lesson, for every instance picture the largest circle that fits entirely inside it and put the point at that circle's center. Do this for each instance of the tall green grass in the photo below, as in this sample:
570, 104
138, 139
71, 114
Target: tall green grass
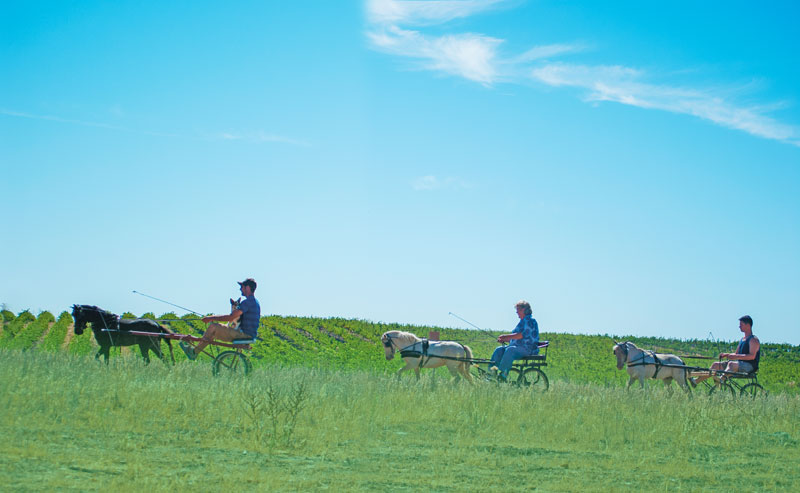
70, 422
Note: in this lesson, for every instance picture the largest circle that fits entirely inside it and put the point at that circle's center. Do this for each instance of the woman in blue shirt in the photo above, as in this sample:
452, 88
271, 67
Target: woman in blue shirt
522, 341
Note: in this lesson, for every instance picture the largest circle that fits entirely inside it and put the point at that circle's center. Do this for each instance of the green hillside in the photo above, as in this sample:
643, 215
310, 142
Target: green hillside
338, 343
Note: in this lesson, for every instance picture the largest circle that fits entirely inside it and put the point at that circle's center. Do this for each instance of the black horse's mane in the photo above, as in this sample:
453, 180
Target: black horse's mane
95, 314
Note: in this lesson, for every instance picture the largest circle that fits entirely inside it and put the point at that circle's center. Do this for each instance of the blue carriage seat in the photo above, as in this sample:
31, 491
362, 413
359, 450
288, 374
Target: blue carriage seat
540, 356
248, 340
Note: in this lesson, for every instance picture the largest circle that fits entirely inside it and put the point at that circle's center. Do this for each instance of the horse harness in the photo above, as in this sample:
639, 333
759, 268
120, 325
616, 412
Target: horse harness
117, 329
413, 353
640, 361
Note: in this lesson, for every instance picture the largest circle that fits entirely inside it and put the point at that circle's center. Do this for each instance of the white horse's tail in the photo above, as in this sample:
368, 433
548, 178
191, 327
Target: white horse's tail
465, 365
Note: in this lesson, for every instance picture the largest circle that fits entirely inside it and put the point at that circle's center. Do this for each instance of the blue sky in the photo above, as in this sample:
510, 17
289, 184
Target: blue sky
628, 168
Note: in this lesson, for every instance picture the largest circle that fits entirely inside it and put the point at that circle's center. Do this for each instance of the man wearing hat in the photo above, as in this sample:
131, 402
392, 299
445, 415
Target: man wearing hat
250, 312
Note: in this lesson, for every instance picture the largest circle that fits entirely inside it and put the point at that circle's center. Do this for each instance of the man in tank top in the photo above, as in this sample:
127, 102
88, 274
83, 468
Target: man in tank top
746, 357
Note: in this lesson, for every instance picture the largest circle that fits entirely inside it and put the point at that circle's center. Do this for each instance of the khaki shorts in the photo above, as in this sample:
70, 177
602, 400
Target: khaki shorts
227, 334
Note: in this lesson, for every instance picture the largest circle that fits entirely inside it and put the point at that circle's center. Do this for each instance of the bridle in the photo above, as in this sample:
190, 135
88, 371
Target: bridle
389, 343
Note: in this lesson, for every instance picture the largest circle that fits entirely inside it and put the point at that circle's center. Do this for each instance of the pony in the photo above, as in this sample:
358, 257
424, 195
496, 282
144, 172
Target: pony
423, 354
648, 364
109, 330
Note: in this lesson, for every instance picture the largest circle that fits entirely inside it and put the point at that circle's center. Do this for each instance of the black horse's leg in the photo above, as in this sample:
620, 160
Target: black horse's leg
145, 350
155, 346
104, 351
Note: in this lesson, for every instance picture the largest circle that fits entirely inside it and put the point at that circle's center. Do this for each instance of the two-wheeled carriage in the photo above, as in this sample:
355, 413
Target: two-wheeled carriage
223, 362
729, 382
525, 372
421, 353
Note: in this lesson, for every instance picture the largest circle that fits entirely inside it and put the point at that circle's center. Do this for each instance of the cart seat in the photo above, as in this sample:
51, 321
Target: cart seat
537, 357
244, 341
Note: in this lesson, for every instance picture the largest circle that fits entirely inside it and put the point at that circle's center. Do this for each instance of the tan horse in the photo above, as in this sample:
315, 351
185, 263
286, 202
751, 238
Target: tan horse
395, 341
648, 364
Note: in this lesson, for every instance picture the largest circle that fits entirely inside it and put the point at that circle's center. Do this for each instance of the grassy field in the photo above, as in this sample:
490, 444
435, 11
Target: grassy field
69, 423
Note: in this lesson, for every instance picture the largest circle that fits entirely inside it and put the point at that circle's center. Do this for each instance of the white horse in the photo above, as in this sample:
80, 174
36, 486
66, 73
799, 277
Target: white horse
648, 364
417, 356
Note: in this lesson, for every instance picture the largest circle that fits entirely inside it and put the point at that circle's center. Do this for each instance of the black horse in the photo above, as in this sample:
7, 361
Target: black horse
109, 330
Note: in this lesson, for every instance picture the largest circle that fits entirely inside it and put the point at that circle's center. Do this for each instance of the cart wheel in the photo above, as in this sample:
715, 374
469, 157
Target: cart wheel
723, 388
515, 376
753, 390
231, 363
534, 379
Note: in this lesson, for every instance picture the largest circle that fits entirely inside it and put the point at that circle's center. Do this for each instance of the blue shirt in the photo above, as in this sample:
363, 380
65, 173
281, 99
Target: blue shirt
530, 335
251, 316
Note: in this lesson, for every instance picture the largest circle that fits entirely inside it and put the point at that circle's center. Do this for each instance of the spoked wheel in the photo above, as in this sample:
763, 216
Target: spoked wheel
722, 388
231, 363
515, 376
753, 390
534, 380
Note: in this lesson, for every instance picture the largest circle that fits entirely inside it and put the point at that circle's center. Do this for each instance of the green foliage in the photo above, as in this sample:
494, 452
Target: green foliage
128, 316
14, 327
83, 344
57, 333
32, 332
46, 317
7, 315
26, 316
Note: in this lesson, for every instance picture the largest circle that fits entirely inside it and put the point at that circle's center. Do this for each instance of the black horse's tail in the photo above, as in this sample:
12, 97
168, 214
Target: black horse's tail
169, 342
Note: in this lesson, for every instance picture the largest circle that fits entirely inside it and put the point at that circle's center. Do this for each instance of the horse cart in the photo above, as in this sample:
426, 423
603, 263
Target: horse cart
112, 331
525, 372
223, 362
642, 364
422, 353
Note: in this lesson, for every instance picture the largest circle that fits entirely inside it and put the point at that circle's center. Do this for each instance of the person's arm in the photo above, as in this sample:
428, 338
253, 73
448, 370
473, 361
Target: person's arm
223, 318
509, 337
754, 346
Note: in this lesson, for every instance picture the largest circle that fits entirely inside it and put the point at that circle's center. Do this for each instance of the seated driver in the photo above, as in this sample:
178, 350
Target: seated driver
522, 341
250, 312
746, 357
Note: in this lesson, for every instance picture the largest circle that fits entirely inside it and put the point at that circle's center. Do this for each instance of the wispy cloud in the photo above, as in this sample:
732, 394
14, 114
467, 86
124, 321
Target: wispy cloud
82, 123
261, 136
477, 57
626, 86
470, 56
257, 136
424, 12
431, 182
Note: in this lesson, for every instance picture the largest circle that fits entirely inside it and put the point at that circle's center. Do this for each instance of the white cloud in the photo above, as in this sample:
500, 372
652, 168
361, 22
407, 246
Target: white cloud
431, 182
82, 123
424, 12
470, 56
476, 57
428, 182
261, 136
548, 51
624, 85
